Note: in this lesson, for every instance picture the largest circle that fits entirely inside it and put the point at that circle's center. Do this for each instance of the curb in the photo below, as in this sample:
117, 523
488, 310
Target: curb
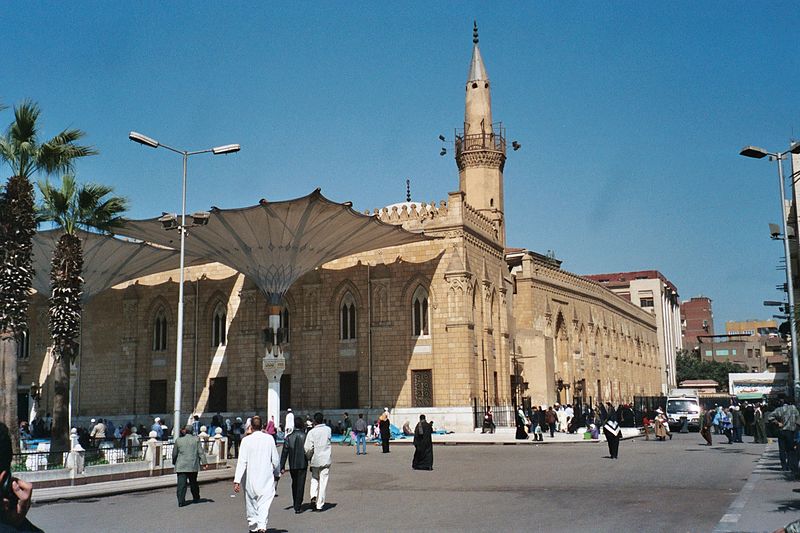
109, 488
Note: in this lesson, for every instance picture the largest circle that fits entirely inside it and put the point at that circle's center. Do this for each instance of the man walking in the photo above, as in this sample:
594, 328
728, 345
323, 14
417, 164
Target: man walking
360, 429
187, 456
786, 418
259, 459
318, 447
294, 451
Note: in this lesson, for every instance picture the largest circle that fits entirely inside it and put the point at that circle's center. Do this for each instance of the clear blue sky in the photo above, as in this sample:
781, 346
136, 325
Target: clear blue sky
631, 115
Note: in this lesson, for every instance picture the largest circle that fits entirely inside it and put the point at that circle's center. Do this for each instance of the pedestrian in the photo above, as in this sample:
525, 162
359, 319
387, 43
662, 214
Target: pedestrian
726, 424
318, 448
238, 430
98, 433
187, 456
706, 423
294, 452
786, 418
488, 421
259, 459
195, 425
383, 423
288, 423
646, 427
520, 419
737, 419
157, 428
613, 432
550, 419
717, 419
423, 446
660, 422
360, 429
271, 430
347, 423
759, 428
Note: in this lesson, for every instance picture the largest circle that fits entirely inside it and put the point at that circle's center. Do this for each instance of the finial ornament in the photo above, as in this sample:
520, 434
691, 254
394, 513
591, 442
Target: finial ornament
475, 31
408, 190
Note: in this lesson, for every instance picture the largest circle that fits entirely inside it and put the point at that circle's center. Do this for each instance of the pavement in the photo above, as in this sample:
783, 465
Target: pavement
768, 501
740, 487
671, 486
503, 436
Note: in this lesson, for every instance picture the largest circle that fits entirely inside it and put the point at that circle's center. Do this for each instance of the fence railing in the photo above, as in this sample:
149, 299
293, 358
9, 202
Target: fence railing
502, 415
43, 459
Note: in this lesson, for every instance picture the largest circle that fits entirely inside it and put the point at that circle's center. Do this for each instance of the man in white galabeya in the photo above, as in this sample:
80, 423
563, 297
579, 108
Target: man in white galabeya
318, 448
259, 459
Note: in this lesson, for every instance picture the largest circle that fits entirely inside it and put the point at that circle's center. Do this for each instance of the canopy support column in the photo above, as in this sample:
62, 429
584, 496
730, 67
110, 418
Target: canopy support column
274, 364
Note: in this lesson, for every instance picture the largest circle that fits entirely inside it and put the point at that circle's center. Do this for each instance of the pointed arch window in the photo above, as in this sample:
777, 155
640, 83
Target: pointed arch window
160, 331
419, 313
23, 344
219, 326
347, 318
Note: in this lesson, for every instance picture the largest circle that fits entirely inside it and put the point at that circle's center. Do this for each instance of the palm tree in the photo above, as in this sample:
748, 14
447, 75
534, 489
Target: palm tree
71, 207
27, 155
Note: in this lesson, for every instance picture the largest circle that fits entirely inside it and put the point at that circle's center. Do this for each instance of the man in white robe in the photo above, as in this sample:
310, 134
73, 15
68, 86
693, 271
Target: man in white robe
259, 459
289, 424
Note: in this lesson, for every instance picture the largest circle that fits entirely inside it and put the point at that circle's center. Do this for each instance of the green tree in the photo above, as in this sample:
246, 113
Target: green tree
71, 207
22, 149
692, 366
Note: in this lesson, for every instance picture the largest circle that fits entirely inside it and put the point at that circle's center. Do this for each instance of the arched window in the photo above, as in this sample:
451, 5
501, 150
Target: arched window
347, 318
23, 344
160, 331
285, 324
419, 313
219, 326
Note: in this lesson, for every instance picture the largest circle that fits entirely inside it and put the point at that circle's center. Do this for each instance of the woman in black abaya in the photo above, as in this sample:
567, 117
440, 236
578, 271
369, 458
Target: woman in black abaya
423, 446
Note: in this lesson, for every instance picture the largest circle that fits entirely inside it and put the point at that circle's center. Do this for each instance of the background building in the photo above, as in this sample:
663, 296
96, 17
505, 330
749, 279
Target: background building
697, 318
652, 291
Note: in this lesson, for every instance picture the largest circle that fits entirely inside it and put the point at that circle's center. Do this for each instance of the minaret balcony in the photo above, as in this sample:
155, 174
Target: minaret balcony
493, 140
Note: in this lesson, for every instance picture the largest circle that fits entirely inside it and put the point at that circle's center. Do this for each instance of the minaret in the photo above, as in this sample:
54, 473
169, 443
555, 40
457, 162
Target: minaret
481, 146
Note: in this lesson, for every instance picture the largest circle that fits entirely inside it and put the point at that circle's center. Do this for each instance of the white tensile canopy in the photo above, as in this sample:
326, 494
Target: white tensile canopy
107, 260
274, 243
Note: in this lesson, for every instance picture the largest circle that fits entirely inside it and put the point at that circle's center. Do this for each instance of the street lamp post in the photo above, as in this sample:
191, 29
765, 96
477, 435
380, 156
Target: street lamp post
759, 153
170, 222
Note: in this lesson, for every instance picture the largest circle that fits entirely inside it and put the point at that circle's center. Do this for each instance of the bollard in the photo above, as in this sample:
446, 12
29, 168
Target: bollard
684, 425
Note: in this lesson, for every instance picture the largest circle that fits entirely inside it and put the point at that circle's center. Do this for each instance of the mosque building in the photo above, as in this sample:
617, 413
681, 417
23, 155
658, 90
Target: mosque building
443, 326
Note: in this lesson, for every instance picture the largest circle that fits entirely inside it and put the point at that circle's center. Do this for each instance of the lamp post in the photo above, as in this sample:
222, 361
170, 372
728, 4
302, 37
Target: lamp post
170, 222
759, 153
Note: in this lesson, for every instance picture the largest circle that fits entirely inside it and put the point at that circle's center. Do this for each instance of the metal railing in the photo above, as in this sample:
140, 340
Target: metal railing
487, 140
38, 460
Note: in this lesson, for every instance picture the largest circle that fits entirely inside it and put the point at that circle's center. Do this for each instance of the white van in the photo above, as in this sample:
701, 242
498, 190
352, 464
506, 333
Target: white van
683, 404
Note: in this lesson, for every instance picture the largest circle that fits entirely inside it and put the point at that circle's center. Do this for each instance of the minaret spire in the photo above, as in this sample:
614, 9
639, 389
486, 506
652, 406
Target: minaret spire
481, 146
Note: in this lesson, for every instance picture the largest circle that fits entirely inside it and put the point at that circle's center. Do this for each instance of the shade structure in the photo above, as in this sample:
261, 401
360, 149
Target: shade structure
107, 260
274, 243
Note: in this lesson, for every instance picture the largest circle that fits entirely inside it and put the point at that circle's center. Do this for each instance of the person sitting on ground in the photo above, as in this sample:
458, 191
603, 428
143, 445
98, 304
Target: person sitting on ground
407, 429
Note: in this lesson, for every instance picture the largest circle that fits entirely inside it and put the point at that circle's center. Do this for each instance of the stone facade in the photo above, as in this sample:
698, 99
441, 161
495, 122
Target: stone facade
431, 327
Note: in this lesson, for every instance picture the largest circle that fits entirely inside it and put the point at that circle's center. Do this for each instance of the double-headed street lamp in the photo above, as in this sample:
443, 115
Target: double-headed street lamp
170, 222
759, 153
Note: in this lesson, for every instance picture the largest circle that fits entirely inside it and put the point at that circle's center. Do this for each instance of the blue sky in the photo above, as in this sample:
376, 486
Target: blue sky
630, 114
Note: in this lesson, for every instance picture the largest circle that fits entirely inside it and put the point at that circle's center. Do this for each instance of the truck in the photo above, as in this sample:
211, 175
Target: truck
683, 403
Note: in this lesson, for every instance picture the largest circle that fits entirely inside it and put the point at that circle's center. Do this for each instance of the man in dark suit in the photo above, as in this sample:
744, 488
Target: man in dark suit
187, 456
298, 464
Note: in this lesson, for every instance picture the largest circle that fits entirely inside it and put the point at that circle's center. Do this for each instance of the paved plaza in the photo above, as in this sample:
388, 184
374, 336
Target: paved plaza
670, 486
